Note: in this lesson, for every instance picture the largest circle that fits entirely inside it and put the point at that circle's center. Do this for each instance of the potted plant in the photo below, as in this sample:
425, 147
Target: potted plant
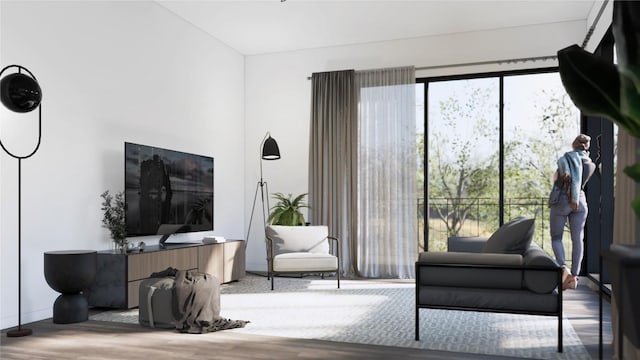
287, 210
113, 218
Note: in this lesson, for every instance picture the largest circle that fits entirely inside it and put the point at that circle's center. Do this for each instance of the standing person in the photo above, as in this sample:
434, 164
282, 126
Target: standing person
574, 170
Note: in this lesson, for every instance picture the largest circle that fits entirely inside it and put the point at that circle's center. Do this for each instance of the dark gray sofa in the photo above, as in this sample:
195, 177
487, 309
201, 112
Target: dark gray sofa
504, 273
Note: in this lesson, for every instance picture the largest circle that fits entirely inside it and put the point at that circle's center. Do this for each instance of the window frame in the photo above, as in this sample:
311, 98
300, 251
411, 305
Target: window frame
597, 236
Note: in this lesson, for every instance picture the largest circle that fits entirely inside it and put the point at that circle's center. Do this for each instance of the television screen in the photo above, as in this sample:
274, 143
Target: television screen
167, 191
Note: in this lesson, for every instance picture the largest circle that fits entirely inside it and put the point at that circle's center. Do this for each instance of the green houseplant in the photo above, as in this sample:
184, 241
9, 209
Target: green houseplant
113, 218
612, 91
287, 210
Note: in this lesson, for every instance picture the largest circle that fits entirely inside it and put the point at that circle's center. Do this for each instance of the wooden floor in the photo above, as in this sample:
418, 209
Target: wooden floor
94, 340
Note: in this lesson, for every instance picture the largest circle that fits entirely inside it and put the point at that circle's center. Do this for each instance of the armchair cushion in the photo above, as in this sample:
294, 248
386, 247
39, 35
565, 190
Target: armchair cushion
287, 239
513, 237
304, 262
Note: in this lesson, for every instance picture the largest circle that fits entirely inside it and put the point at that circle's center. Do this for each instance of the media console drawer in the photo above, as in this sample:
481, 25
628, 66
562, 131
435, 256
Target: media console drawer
143, 264
118, 276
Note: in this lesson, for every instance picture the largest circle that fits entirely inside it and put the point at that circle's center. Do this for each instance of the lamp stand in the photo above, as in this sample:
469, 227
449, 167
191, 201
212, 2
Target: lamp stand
20, 331
262, 185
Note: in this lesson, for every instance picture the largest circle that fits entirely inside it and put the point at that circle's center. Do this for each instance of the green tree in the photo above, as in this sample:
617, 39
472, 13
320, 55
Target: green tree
530, 157
458, 171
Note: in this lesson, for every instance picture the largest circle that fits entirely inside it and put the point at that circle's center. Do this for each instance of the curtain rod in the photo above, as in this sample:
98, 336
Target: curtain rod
476, 63
592, 28
506, 61
509, 61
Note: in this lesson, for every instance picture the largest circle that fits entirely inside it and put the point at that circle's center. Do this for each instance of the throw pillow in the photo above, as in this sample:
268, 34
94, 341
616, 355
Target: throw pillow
513, 237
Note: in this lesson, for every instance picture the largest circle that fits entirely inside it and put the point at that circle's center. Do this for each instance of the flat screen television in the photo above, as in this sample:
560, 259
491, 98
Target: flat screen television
167, 191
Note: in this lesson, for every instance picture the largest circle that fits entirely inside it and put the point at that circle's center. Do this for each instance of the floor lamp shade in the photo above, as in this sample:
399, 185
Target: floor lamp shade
270, 150
20, 92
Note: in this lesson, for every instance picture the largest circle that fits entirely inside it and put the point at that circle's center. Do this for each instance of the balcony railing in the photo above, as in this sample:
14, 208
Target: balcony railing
480, 217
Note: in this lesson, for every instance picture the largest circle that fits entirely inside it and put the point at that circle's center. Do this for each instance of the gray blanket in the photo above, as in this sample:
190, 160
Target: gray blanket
197, 298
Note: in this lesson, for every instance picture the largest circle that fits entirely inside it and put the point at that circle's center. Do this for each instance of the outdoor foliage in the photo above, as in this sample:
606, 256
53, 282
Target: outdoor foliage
456, 172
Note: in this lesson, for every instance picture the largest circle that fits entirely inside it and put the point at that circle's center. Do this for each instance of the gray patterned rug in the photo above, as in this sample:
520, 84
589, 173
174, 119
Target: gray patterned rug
381, 313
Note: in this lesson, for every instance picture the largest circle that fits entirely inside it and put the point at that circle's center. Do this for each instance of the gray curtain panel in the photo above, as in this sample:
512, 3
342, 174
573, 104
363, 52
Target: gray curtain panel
333, 159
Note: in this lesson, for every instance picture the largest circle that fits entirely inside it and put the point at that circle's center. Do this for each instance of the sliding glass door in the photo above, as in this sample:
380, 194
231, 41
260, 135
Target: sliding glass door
540, 122
490, 150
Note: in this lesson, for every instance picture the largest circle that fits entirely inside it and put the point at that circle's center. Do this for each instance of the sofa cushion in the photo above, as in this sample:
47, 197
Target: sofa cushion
491, 299
541, 282
513, 237
469, 270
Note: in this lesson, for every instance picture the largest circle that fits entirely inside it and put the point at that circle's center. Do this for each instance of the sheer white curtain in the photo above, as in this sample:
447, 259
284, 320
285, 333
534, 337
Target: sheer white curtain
387, 201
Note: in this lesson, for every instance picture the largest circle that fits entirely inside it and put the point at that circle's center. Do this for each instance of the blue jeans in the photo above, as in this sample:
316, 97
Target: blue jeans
559, 213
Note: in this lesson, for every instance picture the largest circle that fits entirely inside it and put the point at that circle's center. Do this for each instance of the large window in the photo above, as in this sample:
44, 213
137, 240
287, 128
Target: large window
490, 148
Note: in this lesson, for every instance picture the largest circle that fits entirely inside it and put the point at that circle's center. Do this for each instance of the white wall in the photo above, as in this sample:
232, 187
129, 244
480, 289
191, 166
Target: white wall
278, 93
110, 72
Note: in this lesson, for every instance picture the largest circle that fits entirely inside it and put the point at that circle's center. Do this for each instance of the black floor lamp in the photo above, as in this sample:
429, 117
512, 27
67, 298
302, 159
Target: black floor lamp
268, 151
20, 93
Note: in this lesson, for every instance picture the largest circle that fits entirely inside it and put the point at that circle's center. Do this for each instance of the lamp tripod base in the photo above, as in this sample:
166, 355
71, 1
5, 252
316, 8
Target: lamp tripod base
19, 332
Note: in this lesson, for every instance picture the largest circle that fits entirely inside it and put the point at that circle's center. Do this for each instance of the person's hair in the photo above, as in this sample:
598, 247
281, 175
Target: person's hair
581, 142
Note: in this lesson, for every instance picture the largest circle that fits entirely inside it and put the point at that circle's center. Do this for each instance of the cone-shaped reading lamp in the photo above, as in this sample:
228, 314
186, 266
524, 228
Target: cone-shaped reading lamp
20, 93
270, 151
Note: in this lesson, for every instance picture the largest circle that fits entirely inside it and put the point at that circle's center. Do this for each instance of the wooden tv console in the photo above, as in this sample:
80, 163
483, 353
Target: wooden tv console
118, 276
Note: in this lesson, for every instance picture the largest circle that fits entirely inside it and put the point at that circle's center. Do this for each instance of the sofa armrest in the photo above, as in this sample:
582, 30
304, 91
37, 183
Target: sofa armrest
472, 244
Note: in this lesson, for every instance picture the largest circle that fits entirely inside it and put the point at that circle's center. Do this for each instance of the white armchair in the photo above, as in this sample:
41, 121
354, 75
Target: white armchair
301, 249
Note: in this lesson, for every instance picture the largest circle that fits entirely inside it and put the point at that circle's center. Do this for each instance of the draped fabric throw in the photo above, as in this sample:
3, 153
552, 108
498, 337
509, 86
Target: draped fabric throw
362, 168
197, 296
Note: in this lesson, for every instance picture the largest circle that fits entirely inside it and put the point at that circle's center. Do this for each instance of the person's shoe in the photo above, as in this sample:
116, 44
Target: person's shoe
565, 274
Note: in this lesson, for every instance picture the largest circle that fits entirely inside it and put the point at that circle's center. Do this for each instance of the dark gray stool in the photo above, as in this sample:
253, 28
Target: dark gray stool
69, 272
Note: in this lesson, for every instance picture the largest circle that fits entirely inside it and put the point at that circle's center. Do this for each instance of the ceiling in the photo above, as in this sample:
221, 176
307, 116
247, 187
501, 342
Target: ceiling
268, 26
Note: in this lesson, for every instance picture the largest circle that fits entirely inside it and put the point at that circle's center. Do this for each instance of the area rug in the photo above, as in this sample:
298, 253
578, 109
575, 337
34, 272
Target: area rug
380, 313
